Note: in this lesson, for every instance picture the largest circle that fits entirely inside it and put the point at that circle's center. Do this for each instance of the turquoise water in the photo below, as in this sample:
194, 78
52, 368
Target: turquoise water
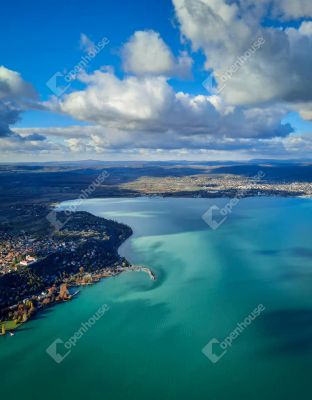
148, 344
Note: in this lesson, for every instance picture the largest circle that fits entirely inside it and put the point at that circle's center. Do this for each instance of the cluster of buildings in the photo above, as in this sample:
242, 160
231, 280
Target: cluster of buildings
29, 260
43, 258
15, 250
210, 185
22, 250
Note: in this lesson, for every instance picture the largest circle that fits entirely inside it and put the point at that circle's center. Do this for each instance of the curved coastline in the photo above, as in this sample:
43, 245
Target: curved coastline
74, 279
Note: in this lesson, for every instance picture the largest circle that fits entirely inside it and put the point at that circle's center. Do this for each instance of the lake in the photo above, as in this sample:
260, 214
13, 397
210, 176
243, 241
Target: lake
148, 341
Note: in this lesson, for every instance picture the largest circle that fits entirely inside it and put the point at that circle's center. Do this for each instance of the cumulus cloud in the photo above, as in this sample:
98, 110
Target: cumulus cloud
278, 71
16, 96
22, 144
265, 71
12, 86
306, 28
147, 54
98, 140
149, 104
292, 9
138, 114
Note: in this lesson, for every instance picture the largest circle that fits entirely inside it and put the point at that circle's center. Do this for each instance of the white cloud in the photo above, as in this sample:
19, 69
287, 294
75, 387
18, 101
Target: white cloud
12, 86
23, 144
292, 9
278, 71
142, 115
16, 95
147, 54
150, 105
97, 140
305, 110
306, 28
112, 101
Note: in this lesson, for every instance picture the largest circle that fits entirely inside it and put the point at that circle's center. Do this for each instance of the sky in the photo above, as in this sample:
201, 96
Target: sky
155, 80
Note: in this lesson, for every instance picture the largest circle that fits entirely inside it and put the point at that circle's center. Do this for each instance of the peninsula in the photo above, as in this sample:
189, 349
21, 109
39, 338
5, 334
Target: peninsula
42, 264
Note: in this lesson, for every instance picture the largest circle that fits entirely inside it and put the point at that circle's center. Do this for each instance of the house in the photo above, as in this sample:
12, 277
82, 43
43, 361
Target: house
28, 261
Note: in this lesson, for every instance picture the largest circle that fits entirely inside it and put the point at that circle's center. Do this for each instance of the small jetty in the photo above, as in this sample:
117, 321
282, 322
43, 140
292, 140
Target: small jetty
74, 294
56, 294
140, 268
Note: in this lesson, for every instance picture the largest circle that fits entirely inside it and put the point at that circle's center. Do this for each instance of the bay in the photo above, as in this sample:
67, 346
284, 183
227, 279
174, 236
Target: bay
148, 345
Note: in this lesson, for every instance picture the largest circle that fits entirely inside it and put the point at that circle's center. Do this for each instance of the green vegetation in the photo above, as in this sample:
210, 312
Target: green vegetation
9, 325
84, 241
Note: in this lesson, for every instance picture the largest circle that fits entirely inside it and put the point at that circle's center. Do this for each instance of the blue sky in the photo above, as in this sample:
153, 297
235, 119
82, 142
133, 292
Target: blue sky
49, 41
251, 117
44, 37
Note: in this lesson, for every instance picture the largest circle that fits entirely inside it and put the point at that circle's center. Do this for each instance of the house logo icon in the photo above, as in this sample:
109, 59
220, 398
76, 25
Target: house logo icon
53, 351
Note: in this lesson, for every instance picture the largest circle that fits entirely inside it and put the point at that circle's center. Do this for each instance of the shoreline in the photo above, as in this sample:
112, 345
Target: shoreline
105, 275
91, 253
49, 297
73, 280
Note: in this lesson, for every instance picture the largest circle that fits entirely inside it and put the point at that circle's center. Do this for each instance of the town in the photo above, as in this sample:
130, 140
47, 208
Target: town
35, 266
225, 185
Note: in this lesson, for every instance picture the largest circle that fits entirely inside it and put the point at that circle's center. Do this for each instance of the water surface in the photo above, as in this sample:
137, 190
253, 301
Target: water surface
148, 345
